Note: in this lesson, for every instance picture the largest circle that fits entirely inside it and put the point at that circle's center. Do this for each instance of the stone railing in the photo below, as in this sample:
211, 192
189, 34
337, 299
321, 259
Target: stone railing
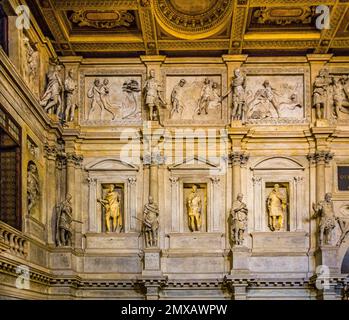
12, 240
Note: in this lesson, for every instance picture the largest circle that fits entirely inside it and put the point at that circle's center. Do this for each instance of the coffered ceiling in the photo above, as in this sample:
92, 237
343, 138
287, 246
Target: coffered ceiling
195, 27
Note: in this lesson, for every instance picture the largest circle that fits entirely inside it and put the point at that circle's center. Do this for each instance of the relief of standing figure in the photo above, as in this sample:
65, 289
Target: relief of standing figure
153, 99
320, 93
177, 107
64, 221
52, 98
238, 87
277, 205
194, 205
70, 86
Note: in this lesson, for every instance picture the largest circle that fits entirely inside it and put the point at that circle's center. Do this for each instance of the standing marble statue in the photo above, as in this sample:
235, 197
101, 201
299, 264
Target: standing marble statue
238, 88
277, 205
33, 187
324, 210
175, 103
64, 212
111, 204
52, 98
320, 93
151, 223
194, 206
153, 99
238, 217
70, 86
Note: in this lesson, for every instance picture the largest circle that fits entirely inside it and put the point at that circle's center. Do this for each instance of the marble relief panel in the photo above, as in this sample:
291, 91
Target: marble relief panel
194, 97
277, 96
111, 99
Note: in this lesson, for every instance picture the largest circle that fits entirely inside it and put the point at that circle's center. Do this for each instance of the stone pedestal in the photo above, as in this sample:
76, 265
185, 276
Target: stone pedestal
327, 256
322, 123
240, 260
152, 263
236, 123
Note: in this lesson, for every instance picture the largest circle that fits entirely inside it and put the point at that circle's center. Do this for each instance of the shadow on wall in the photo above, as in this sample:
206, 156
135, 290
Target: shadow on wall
345, 264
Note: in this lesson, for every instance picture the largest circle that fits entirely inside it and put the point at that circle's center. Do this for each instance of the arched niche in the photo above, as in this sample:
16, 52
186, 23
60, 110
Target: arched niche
345, 263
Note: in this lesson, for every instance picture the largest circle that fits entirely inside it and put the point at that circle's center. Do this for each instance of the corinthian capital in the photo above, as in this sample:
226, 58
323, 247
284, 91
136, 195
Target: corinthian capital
239, 158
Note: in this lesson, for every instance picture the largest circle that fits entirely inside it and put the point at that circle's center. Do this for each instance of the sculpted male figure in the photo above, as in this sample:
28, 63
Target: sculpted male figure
111, 204
238, 220
176, 105
153, 99
151, 223
70, 86
64, 220
238, 86
276, 204
194, 205
33, 187
320, 93
324, 210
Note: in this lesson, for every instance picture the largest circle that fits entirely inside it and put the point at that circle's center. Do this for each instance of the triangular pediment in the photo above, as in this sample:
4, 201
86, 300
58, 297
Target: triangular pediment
194, 163
110, 165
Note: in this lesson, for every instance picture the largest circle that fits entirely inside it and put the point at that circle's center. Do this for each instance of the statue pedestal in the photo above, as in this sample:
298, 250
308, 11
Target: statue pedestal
240, 260
152, 263
327, 256
236, 123
322, 123
151, 125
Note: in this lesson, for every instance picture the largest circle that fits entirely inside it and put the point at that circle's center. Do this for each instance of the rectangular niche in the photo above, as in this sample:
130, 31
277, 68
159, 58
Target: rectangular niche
118, 189
343, 178
284, 192
202, 194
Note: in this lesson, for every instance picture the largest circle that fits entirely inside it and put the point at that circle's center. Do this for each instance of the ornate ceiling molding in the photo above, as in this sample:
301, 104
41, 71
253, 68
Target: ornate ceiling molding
182, 19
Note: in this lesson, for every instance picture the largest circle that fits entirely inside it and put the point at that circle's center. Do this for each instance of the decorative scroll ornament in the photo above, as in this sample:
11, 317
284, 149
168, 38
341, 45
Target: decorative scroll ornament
189, 20
102, 19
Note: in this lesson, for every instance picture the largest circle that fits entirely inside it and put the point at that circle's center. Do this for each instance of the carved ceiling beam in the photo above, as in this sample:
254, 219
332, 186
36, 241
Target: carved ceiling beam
238, 26
95, 4
148, 27
328, 35
293, 3
56, 25
197, 45
279, 44
107, 47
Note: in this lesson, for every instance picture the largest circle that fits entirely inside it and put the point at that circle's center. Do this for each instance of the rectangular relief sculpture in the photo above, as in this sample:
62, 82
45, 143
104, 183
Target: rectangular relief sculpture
110, 100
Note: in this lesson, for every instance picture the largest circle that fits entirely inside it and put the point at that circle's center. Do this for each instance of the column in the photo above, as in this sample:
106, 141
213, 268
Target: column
132, 192
238, 159
175, 214
321, 158
50, 155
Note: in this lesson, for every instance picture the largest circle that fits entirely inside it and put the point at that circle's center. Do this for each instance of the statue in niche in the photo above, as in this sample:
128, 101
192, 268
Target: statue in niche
205, 96
238, 88
177, 107
33, 186
194, 206
52, 98
130, 102
99, 95
263, 102
64, 212
340, 96
70, 86
324, 210
276, 204
153, 99
320, 93
111, 204
238, 216
151, 223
